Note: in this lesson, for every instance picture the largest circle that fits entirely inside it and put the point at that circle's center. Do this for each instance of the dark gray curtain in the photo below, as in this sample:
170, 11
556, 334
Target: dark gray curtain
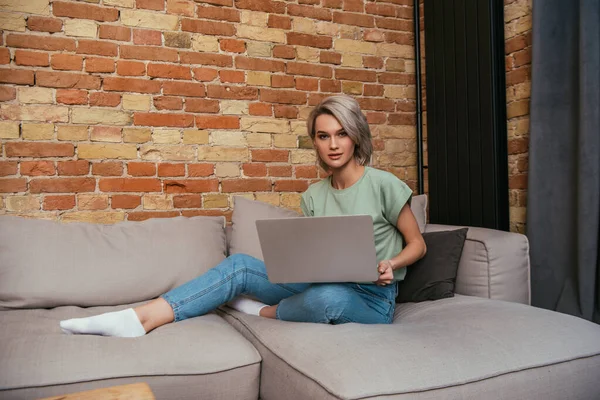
563, 207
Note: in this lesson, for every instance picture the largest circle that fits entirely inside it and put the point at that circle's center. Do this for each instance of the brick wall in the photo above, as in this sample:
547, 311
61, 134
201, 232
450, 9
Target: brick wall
130, 109
517, 32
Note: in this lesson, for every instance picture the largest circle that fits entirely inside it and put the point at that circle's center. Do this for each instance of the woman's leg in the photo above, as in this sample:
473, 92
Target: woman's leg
339, 303
237, 274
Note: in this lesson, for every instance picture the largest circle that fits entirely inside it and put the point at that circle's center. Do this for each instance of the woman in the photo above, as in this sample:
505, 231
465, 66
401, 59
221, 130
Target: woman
342, 139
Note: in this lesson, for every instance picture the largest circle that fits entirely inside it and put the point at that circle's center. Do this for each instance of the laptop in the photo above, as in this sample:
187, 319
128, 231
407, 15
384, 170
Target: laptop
318, 249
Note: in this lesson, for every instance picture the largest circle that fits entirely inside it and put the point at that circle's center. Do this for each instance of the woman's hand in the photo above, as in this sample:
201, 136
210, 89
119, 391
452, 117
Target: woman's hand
386, 273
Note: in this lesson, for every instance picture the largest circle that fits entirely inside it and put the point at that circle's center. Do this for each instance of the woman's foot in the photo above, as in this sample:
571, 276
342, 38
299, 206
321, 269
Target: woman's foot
247, 305
119, 323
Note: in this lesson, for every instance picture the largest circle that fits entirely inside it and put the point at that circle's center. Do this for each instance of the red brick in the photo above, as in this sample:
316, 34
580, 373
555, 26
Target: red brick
373, 62
373, 35
65, 202
359, 75
280, 171
145, 36
8, 168
232, 92
314, 2
38, 168
85, 11
33, 58
78, 167
518, 181
282, 81
263, 109
245, 185
406, 106
205, 74
168, 103
131, 68
28, 149
518, 146
376, 104
270, 155
201, 106
329, 85
13, 185
66, 80
130, 185
399, 38
308, 84
517, 43
354, 5
316, 98
107, 168
141, 169
187, 201
373, 90
232, 76
306, 171
165, 169
157, 5
218, 122
282, 51
131, 85
394, 24
520, 75
218, 13
62, 185
71, 96
333, 3
297, 68
254, 169
184, 89
259, 64
4, 56
232, 45
67, 62
309, 12
97, 47
127, 201
207, 27
169, 71
112, 32
200, 170
95, 64
220, 60
145, 215
148, 53
156, 119
43, 24
7, 93
279, 22
346, 18
275, 7
328, 57
396, 78
191, 186
522, 58
282, 96
402, 119
105, 99
303, 39
290, 185
34, 42
285, 112
385, 10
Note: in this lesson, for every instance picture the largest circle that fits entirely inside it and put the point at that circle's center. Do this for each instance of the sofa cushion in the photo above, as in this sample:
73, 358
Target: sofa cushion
418, 206
433, 276
195, 358
46, 264
461, 347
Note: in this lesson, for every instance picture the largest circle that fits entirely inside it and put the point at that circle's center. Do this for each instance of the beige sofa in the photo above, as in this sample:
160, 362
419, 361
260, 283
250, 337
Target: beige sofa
484, 343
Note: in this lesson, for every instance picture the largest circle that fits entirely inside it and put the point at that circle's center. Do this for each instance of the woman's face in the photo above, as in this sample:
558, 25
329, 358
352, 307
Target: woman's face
333, 144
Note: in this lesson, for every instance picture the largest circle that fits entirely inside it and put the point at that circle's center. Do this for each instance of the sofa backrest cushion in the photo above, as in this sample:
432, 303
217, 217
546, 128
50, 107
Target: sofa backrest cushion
418, 205
45, 264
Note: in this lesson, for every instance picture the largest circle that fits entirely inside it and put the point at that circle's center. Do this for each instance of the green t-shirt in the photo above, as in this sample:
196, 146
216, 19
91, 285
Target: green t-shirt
377, 193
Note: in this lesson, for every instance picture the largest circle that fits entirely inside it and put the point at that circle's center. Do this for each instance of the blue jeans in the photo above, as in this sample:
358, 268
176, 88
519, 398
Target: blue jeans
334, 303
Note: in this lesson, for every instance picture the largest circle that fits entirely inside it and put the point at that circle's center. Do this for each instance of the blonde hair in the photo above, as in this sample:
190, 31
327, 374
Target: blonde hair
347, 111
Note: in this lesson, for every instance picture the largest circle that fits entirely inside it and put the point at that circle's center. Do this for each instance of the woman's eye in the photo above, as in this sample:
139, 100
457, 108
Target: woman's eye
343, 134
322, 137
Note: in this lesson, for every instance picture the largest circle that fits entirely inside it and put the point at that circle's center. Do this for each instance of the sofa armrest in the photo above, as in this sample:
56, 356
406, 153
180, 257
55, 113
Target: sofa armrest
494, 264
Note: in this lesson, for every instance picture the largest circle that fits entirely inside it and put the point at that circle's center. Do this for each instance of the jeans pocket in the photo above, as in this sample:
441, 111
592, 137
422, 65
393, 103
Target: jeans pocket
380, 293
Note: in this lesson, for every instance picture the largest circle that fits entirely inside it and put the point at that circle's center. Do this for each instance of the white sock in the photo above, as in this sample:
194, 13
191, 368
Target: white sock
247, 305
119, 323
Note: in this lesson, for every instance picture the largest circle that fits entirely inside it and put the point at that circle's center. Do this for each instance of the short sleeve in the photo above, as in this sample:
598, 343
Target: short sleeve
306, 205
394, 195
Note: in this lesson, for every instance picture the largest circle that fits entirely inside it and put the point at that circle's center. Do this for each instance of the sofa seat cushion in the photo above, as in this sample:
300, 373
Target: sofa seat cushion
42, 361
462, 347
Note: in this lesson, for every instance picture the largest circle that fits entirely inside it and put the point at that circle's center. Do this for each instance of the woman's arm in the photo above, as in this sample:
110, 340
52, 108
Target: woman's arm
413, 251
